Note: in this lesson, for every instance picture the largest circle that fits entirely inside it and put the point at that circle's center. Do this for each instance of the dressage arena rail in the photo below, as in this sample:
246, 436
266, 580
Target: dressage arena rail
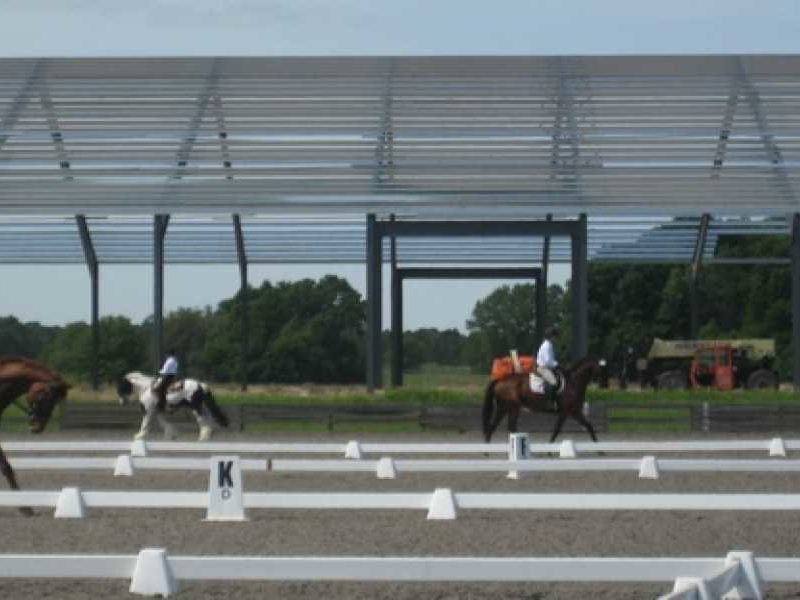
355, 449
154, 572
606, 416
648, 467
441, 504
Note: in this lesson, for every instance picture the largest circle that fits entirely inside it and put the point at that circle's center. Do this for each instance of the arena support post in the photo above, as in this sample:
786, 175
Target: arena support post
374, 304
241, 255
795, 253
580, 285
159, 233
94, 274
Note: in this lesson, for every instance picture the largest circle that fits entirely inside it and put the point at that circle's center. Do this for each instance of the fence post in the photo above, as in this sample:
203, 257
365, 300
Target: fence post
706, 420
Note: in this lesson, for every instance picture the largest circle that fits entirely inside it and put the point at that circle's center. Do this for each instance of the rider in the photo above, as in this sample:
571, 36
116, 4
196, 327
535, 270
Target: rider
167, 374
546, 364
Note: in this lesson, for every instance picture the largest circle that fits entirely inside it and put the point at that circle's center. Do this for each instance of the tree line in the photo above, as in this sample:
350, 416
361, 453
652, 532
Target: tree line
314, 331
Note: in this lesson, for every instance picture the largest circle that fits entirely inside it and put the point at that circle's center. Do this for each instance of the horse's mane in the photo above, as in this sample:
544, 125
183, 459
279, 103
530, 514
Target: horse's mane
32, 365
581, 363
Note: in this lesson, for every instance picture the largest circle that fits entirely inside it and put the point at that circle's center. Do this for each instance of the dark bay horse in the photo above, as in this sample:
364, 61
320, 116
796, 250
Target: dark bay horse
509, 395
43, 387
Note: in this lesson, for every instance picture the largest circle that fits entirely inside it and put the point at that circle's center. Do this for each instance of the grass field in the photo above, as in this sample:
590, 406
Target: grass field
435, 386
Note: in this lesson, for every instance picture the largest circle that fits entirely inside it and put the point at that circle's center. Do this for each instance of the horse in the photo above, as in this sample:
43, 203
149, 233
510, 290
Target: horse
44, 389
183, 393
513, 392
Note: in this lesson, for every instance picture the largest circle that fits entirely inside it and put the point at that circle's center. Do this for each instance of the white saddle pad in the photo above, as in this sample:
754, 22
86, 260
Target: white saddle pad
537, 384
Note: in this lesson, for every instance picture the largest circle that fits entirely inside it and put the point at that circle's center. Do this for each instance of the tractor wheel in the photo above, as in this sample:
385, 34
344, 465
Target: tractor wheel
671, 380
761, 380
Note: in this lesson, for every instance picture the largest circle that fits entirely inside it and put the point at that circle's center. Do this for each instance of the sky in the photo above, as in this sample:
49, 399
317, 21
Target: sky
55, 28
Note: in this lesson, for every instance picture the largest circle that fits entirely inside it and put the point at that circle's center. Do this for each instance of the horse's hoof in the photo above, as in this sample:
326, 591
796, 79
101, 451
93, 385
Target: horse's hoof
205, 434
139, 436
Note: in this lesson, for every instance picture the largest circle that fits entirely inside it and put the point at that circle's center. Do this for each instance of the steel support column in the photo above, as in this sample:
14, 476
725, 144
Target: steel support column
697, 261
374, 304
397, 316
580, 300
241, 255
541, 289
94, 275
159, 233
795, 252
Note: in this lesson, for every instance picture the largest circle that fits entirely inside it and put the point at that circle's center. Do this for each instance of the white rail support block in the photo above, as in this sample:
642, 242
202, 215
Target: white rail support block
518, 449
567, 449
152, 575
649, 468
385, 468
443, 505
749, 585
689, 588
123, 467
138, 448
777, 447
70, 504
352, 450
225, 497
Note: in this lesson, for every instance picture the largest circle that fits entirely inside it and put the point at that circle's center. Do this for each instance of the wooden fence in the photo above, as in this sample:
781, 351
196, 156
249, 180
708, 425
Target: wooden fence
605, 417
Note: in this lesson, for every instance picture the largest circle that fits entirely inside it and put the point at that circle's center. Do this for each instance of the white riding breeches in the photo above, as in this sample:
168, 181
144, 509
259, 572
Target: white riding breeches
547, 374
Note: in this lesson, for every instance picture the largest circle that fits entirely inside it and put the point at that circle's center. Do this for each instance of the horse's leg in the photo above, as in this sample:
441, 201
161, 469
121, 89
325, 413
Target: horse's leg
578, 416
8, 473
205, 427
145, 427
498, 416
170, 433
562, 416
513, 417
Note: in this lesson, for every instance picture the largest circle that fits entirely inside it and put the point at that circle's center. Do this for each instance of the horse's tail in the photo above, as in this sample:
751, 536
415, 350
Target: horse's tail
212, 406
488, 407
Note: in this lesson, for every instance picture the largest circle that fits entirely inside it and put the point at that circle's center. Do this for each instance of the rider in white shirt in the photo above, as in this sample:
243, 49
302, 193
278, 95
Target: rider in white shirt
546, 364
167, 374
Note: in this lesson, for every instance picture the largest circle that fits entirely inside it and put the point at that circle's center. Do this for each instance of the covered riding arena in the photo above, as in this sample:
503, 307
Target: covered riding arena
425, 162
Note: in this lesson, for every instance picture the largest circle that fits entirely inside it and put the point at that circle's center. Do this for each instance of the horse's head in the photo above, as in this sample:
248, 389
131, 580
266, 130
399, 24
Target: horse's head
42, 398
124, 389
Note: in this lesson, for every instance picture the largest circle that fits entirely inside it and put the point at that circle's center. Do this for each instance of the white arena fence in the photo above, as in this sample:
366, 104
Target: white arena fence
154, 572
441, 504
355, 449
647, 467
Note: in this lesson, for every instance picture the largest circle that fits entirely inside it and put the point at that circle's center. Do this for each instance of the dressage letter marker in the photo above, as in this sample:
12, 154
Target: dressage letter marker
225, 490
518, 449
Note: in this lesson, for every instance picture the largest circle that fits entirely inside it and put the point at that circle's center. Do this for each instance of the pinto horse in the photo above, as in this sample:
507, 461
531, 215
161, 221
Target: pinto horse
185, 392
44, 389
509, 395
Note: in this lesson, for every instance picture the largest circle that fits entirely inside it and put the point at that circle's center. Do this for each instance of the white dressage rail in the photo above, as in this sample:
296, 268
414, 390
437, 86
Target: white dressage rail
442, 503
648, 467
355, 449
153, 572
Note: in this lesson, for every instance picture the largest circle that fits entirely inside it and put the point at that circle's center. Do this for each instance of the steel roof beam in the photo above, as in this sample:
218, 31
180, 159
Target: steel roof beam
21, 100
771, 148
190, 135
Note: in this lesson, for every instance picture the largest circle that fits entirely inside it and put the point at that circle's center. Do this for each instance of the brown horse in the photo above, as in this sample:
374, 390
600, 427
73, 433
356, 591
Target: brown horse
510, 394
44, 389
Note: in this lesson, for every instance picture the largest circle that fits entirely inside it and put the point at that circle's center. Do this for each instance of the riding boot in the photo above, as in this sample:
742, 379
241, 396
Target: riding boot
553, 398
162, 398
